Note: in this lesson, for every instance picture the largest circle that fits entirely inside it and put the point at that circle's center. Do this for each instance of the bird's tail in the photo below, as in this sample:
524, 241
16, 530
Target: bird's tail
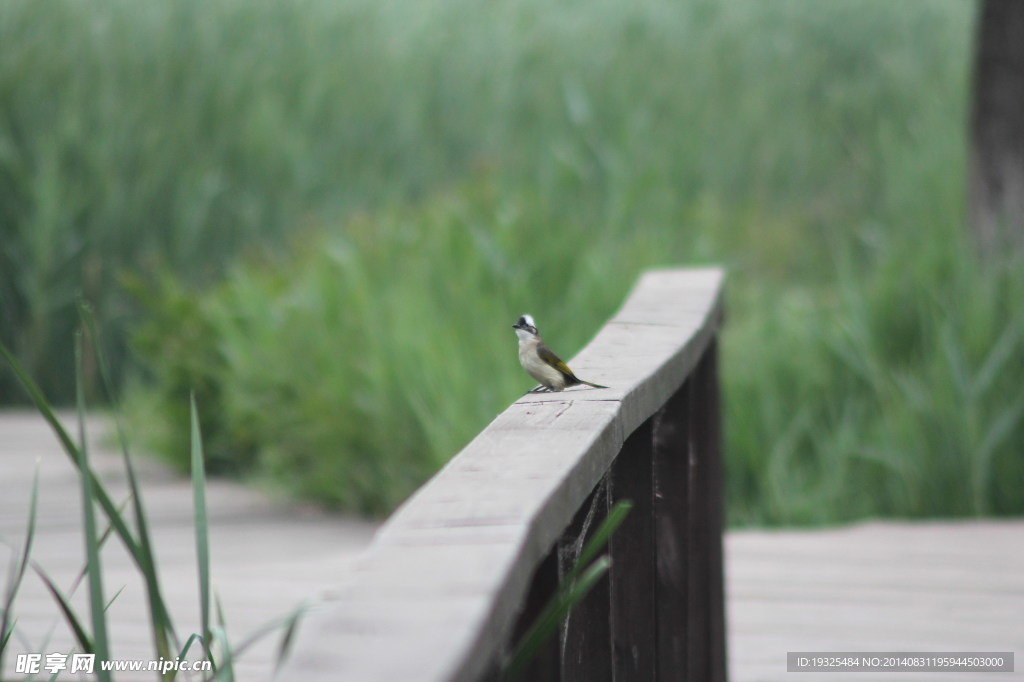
588, 383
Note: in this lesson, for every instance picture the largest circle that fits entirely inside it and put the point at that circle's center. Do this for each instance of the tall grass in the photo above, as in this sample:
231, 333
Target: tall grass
92, 636
898, 395
139, 136
403, 178
142, 136
387, 345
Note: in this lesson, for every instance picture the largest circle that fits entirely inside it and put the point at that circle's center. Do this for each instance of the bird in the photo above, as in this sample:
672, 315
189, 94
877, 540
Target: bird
540, 362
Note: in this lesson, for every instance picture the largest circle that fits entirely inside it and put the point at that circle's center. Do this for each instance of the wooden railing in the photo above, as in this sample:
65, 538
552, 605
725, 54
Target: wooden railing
458, 572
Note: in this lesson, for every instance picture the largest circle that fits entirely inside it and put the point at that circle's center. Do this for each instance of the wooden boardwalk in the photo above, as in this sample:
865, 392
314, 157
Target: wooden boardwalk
267, 557
868, 587
874, 587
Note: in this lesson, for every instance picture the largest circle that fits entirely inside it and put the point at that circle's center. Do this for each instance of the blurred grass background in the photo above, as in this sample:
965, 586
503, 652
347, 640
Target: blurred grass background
323, 216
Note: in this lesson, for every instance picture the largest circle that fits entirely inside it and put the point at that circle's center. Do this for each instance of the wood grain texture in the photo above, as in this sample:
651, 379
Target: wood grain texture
468, 542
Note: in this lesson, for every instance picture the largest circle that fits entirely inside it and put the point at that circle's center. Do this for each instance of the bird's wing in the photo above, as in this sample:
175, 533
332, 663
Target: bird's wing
549, 358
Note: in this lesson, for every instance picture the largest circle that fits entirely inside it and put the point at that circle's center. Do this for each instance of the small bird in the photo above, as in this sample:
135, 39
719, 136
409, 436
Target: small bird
540, 362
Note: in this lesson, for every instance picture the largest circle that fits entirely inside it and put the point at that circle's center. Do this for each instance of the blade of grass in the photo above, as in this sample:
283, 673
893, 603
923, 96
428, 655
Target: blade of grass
14, 584
575, 585
69, 613
998, 429
202, 538
82, 573
611, 523
160, 619
288, 622
102, 540
44, 409
554, 613
194, 637
92, 546
1003, 351
291, 627
225, 672
117, 594
141, 553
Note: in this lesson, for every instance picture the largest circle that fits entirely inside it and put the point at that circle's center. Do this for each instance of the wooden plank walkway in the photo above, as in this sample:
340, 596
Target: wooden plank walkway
267, 557
867, 587
874, 587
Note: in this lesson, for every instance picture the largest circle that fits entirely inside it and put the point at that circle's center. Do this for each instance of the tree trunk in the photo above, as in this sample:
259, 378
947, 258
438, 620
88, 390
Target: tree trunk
996, 189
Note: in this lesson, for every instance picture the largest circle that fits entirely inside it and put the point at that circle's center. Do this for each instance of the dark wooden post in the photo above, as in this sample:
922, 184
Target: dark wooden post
633, 572
586, 633
707, 611
672, 531
547, 665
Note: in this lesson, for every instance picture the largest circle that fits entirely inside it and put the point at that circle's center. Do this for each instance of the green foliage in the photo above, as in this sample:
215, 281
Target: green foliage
893, 393
402, 179
137, 137
356, 366
19, 564
134, 534
141, 136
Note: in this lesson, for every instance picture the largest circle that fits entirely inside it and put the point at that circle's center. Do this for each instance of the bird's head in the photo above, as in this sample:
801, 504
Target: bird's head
525, 328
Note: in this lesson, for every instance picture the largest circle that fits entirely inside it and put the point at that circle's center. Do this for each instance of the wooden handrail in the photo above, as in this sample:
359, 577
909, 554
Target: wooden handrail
456, 573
